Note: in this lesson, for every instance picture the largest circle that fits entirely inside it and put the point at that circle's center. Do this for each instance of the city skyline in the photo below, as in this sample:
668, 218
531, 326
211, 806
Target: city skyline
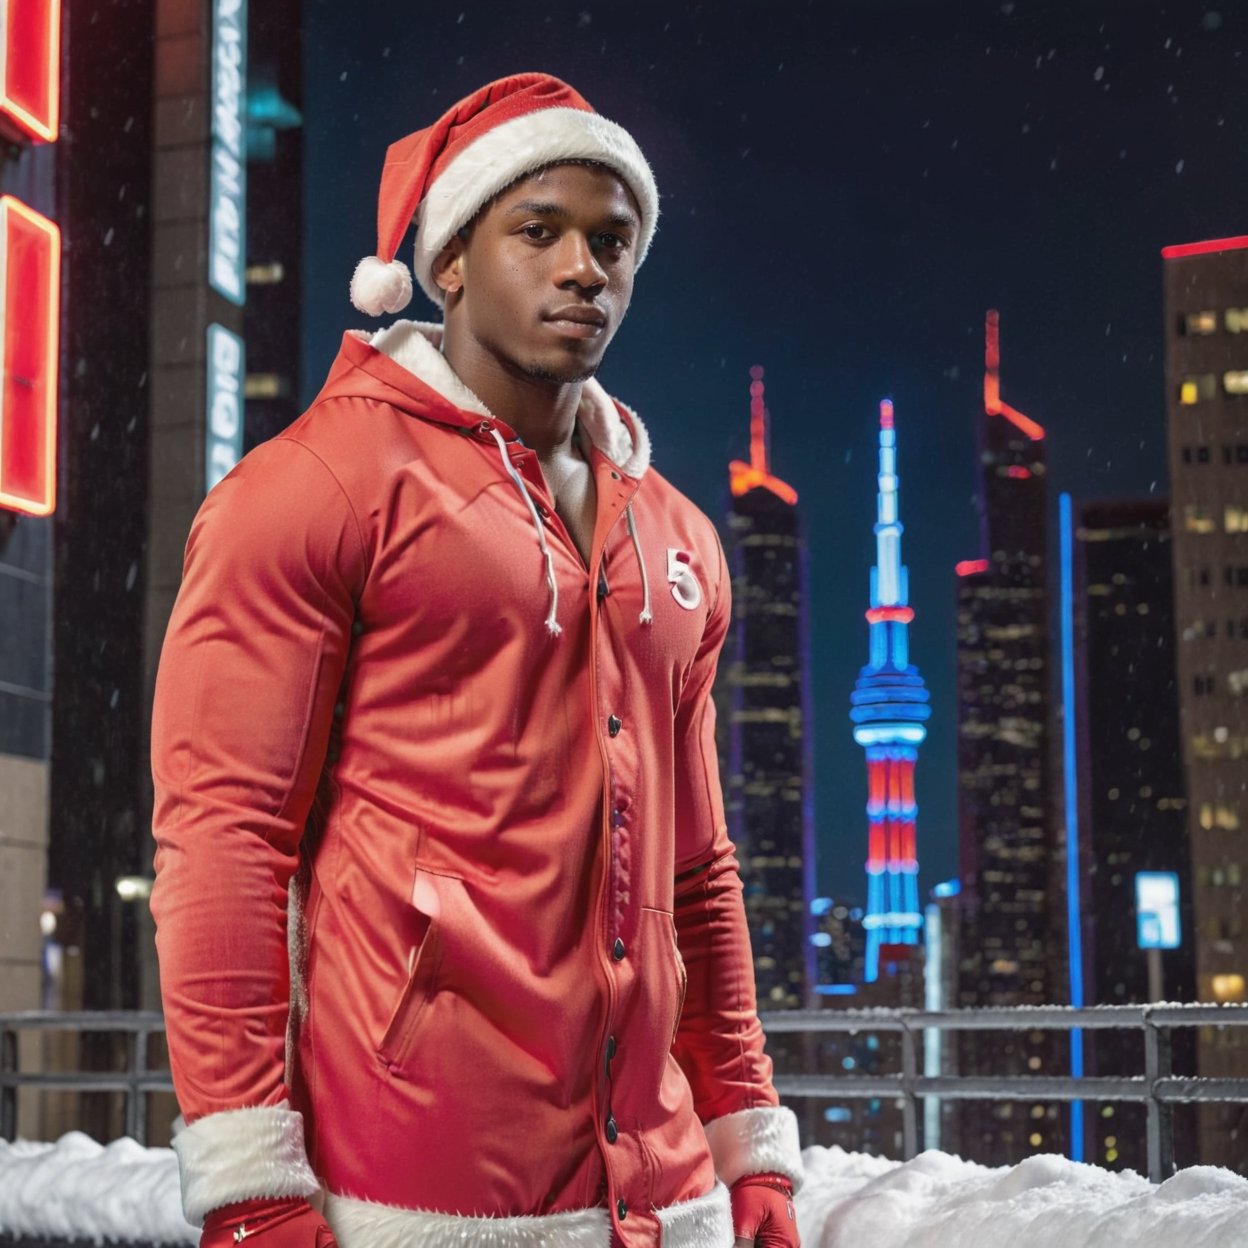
1033, 157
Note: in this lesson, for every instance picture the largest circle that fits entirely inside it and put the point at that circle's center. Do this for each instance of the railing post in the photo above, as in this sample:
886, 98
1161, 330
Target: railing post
1160, 1113
8, 1093
136, 1097
909, 1107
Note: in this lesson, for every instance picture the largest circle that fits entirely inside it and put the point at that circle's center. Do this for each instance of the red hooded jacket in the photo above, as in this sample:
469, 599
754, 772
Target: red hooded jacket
448, 918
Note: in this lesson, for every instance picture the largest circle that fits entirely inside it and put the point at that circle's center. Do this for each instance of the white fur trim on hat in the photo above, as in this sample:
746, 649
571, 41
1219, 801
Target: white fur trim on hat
242, 1154
518, 147
756, 1141
378, 287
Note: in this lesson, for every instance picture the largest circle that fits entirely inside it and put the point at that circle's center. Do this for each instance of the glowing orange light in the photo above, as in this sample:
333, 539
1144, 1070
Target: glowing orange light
1179, 250
971, 567
30, 62
30, 264
742, 477
886, 414
992, 382
880, 615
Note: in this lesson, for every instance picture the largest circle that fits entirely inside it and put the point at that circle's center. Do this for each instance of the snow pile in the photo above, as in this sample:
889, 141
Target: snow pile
938, 1201
76, 1189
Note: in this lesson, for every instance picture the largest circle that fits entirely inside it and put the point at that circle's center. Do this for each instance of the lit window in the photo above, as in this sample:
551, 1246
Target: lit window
1235, 519
1236, 320
1237, 682
1035, 1139
1200, 386
1235, 381
1197, 519
1228, 987
1200, 323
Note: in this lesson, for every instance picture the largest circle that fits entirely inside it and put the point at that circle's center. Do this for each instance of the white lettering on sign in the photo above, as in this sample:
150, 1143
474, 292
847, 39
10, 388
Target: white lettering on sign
228, 189
224, 440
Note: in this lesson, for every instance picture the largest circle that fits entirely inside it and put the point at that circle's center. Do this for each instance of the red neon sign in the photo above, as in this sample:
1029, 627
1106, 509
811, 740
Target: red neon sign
30, 61
971, 567
30, 283
1179, 250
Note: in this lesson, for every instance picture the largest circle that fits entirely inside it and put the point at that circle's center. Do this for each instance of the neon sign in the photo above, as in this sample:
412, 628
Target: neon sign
224, 443
30, 62
30, 283
228, 177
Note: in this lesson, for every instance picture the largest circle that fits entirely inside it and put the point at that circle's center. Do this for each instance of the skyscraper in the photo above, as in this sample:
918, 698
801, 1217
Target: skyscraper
1008, 909
1206, 311
1130, 827
768, 789
889, 713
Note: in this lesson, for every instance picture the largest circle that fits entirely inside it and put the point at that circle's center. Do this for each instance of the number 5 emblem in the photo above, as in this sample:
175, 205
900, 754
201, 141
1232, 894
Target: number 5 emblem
685, 587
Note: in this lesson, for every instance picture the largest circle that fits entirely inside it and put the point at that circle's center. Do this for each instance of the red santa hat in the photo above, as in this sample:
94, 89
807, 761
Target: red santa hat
444, 175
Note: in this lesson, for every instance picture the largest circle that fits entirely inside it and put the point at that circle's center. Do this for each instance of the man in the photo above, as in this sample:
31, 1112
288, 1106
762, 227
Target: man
440, 671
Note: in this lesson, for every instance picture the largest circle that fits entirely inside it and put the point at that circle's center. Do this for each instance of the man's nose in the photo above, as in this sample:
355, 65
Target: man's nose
578, 265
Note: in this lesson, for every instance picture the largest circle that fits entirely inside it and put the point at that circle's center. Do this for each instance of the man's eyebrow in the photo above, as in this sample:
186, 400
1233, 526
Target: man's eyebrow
540, 208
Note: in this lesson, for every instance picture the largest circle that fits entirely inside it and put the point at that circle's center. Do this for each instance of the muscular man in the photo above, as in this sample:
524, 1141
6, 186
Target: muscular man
450, 929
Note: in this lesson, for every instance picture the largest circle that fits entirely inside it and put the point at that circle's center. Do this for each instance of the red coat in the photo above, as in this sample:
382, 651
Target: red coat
522, 979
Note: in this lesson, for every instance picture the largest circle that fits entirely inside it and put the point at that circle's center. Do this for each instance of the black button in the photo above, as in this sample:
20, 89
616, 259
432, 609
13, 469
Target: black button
614, 724
610, 1047
617, 950
613, 1132
621, 1208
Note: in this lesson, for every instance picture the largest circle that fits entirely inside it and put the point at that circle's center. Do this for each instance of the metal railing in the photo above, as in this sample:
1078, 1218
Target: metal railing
1158, 1088
136, 1082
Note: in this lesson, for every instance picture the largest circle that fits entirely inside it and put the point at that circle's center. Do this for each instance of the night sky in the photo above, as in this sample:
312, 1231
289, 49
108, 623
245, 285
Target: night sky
847, 185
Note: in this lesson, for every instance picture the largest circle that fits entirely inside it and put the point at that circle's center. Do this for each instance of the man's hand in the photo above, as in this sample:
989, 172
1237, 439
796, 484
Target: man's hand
285, 1223
762, 1212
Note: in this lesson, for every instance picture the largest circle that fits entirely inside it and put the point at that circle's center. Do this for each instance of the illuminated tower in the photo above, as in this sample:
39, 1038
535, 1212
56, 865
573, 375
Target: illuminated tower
889, 713
768, 789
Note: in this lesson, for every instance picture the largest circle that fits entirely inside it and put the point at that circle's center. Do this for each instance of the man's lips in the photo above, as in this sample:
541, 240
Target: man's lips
577, 321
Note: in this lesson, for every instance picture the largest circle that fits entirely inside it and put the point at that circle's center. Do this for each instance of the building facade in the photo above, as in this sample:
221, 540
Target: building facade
1206, 331
1009, 913
1130, 827
765, 672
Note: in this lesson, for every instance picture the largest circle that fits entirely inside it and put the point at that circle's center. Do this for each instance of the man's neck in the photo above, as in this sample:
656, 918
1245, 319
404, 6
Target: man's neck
542, 412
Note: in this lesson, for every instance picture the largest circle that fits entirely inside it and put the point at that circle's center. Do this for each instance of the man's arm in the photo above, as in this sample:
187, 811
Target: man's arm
250, 669
719, 1043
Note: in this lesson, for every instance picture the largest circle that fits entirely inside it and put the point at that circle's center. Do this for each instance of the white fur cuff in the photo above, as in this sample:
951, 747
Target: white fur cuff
242, 1154
756, 1141
704, 1222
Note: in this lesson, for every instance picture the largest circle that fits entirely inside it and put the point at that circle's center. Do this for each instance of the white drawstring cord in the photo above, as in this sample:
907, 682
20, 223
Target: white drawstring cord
553, 626
645, 616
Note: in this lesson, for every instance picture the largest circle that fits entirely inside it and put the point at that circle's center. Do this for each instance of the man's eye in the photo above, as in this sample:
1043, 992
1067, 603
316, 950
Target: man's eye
535, 230
613, 242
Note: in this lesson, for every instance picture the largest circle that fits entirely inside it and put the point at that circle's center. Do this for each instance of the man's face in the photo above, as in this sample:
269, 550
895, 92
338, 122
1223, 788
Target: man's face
546, 272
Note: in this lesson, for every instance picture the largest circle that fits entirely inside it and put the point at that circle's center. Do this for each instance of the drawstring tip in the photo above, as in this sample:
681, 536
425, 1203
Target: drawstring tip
645, 617
554, 628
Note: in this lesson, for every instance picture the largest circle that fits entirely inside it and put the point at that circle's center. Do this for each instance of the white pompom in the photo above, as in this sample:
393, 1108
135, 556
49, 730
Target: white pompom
378, 287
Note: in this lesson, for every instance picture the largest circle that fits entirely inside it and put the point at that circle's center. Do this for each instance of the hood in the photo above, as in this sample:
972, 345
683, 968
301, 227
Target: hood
439, 395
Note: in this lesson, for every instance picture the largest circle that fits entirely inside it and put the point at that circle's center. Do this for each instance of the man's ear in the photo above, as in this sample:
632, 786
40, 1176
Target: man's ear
448, 268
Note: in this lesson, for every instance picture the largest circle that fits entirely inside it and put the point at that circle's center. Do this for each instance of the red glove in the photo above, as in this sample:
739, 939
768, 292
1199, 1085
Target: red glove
762, 1212
277, 1223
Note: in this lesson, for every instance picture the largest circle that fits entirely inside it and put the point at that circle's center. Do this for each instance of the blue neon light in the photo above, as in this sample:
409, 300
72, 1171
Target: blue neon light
1157, 910
1074, 932
836, 990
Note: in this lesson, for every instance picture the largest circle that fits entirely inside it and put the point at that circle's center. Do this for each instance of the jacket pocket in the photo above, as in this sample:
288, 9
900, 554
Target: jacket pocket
665, 985
424, 961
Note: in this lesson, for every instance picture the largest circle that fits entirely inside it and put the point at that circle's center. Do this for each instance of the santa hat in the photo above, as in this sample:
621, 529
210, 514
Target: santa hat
444, 175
